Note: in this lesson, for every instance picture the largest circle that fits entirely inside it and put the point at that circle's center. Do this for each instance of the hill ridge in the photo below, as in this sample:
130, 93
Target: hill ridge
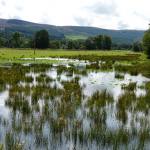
59, 32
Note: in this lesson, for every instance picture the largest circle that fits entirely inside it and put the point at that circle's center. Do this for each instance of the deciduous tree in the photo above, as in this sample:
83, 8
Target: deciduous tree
146, 43
42, 39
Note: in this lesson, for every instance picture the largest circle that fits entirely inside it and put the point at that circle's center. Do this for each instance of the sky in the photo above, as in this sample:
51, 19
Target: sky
108, 14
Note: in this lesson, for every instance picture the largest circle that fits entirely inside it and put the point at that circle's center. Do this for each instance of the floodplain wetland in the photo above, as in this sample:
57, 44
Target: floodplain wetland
87, 104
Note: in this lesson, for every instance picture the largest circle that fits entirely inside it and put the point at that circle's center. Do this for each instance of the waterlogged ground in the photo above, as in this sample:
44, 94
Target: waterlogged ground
77, 106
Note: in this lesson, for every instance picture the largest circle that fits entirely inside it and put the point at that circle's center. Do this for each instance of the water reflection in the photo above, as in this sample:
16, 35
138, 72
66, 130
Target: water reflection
69, 107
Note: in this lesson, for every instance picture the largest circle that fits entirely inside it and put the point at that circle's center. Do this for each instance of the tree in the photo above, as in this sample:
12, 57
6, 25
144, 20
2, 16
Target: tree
2, 42
146, 43
137, 47
70, 44
99, 42
16, 40
42, 39
90, 44
107, 42
55, 44
103, 42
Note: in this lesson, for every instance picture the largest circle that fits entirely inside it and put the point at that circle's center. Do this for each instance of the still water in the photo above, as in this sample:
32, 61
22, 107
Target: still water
69, 107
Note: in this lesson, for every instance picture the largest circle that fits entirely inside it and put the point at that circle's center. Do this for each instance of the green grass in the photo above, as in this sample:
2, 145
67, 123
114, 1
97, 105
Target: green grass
76, 37
15, 55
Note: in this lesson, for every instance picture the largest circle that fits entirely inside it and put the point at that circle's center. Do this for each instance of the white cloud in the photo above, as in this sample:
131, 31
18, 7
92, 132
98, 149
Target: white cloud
112, 14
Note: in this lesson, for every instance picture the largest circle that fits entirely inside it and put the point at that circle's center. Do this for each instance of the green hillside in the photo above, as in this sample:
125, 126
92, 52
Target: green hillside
71, 32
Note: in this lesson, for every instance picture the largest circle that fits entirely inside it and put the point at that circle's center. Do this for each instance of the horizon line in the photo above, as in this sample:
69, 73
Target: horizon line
72, 25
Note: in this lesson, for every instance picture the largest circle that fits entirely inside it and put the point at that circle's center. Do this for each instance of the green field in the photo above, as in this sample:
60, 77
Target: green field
125, 61
15, 55
76, 37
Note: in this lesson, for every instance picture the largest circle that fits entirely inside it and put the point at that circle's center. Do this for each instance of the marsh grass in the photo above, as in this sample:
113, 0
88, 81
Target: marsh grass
100, 99
52, 115
125, 104
107, 65
19, 104
95, 58
28, 79
135, 69
1, 147
12, 143
43, 78
15, 56
131, 87
2, 86
95, 65
143, 103
119, 76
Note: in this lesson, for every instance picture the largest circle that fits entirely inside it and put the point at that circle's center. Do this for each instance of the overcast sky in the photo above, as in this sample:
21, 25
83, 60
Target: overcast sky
110, 14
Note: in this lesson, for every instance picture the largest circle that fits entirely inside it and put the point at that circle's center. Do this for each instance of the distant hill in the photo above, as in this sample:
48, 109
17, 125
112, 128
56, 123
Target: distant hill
72, 32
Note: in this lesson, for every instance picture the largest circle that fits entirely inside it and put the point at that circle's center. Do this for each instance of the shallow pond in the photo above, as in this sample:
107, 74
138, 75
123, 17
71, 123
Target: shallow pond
70, 107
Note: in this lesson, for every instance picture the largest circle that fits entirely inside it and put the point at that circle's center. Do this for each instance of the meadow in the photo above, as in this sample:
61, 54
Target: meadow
15, 55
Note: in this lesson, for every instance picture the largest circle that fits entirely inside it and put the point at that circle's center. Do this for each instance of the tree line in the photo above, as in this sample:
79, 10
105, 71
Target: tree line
104, 42
41, 40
